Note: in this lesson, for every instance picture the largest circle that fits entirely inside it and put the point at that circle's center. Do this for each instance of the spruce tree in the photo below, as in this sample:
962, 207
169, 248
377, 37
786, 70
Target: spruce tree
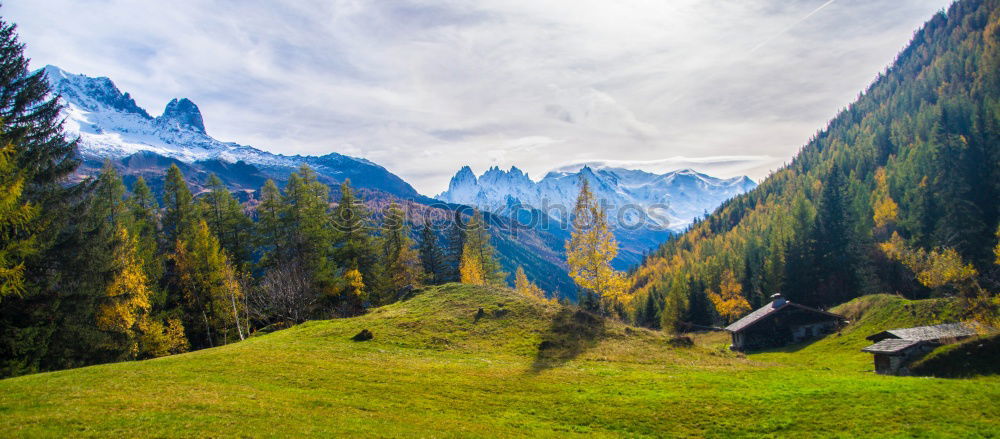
225, 217
271, 235
399, 259
309, 229
431, 256
354, 248
455, 239
180, 215
36, 255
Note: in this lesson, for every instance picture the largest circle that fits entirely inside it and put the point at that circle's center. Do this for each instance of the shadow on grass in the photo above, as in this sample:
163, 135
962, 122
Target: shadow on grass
571, 333
791, 348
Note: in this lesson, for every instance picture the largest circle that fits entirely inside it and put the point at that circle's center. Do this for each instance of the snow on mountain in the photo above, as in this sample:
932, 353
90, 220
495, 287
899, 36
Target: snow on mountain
111, 126
636, 199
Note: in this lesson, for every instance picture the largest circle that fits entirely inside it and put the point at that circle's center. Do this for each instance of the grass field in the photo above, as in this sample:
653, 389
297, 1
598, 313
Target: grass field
523, 369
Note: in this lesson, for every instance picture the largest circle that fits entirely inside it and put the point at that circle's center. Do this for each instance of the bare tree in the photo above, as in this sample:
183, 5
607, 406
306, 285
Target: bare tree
284, 295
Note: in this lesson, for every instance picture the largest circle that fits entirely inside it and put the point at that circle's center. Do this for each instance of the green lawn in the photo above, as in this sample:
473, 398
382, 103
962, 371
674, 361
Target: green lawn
524, 369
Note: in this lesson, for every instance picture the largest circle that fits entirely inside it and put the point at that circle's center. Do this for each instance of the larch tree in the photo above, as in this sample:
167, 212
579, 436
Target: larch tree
17, 216
592, 247
525, 287
728, 300
211, 287
144, 221
479, 265
126, 299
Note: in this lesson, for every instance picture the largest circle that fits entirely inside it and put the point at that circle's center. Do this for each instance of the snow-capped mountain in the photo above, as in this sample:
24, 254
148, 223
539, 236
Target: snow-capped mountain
633, 198
111, 126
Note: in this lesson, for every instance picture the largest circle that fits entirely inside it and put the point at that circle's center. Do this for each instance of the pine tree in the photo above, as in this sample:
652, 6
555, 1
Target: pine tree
479, 265
592, 247
431, 256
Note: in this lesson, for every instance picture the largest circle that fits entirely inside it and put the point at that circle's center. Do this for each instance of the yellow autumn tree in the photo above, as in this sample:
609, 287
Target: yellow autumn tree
944, 268
126, 299
158, 339
471, 269
885, 208
592, 247
933, 269
729, 301
479, 265
527, 288
354, 284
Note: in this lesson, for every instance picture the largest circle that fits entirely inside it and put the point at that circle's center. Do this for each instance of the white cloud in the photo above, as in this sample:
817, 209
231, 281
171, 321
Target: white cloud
425, 87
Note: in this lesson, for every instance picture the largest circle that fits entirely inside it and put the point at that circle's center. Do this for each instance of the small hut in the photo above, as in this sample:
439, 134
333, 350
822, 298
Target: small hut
895, 349
780, 323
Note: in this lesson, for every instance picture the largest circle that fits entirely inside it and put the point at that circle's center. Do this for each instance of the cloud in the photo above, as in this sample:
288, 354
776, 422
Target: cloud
424, 87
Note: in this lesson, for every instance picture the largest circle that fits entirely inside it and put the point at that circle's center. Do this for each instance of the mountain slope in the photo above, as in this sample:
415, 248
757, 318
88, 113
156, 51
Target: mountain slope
931, 122
523, 369
111, 126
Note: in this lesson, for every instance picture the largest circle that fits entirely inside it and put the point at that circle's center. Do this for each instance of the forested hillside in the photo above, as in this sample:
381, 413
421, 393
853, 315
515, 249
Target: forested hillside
916, 156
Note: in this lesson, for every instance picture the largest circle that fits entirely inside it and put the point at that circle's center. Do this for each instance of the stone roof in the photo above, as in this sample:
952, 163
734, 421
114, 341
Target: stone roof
767, 310
933, 333
891, 346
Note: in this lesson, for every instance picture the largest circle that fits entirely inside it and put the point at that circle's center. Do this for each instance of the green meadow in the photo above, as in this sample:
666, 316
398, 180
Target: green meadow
521, 368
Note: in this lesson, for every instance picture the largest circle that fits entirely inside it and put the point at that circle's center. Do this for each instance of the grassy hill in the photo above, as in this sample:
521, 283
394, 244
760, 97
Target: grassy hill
521, 368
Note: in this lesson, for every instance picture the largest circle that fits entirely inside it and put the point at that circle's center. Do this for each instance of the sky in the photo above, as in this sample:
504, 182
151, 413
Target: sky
727, 87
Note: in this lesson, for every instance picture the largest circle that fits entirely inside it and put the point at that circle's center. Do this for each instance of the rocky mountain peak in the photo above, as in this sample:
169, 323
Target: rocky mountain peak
183, 114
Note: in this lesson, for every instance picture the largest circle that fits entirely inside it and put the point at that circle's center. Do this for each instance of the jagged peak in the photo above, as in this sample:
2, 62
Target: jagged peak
90, 93
184, 114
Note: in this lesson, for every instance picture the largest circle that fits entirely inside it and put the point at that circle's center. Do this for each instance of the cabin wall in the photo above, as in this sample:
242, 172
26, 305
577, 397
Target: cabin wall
792, 325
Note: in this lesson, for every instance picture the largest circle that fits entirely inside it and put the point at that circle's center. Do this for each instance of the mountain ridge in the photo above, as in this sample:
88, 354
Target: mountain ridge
111, 126
671, 200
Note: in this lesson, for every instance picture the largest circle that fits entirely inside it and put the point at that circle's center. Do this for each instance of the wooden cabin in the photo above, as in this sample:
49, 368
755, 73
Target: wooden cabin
781, 323
895, 349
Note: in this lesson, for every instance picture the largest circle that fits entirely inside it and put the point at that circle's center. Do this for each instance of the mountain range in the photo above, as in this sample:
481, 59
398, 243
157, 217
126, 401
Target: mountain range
112, 127
635, 199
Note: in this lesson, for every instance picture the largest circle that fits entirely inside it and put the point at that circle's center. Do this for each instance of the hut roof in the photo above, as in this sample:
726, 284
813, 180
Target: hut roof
891, 346
927, 333
771, 308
